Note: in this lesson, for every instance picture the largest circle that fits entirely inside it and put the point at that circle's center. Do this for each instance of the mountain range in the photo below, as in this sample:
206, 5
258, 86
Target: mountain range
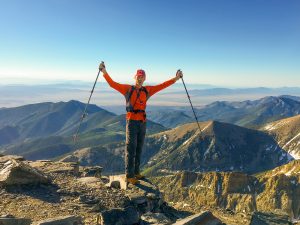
44, 131
246, 113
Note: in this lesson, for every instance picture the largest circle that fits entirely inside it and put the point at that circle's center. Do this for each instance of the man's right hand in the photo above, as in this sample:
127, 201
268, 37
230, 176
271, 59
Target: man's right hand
179, 75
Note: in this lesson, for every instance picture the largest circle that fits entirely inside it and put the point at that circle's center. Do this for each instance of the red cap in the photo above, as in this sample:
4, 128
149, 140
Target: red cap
140, 72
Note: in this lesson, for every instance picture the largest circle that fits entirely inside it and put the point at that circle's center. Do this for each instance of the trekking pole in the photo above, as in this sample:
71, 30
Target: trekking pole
190, 101
86, 105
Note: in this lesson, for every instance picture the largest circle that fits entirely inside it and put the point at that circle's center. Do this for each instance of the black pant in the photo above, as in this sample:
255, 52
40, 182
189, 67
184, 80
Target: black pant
135, 136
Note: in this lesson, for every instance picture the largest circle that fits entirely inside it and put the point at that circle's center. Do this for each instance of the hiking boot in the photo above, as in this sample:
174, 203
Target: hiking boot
139, 176
132, 180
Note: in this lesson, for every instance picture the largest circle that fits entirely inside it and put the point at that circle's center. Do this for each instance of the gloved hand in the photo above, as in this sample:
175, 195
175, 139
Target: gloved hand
102, 67
179, 75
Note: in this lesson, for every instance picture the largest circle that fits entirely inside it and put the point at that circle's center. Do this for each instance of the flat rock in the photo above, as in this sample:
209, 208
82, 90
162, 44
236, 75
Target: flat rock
57, 167
93, 182
204, 218
15, 172
63, 220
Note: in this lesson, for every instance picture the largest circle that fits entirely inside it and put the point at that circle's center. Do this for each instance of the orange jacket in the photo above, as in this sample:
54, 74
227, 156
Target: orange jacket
140, 103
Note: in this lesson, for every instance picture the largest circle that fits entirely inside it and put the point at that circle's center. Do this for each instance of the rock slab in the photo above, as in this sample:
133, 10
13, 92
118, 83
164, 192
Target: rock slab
14, 172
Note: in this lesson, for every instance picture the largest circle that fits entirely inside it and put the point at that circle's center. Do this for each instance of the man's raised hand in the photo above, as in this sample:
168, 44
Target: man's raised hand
102, 67
179, 75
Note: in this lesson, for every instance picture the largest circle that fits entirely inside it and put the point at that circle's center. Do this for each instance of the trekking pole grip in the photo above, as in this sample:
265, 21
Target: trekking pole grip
101, 66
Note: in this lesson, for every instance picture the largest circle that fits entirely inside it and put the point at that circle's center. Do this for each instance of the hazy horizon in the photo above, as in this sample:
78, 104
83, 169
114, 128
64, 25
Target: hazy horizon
222, 43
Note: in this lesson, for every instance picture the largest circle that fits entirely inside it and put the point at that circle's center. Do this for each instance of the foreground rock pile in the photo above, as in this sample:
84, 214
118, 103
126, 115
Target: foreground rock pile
62, 193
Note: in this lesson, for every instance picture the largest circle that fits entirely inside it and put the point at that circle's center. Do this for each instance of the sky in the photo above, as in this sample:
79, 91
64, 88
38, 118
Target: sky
237, 43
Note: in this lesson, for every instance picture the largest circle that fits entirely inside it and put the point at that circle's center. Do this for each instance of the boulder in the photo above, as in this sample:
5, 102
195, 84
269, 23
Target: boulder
63, 220
260, 218
94, 171
203, 218
126, 216
14, 172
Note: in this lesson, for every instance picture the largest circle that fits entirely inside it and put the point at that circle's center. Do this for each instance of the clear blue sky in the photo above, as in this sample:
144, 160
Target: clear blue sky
218, 42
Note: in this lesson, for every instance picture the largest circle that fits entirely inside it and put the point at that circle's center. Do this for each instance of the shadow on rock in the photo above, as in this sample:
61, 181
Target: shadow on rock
46, 193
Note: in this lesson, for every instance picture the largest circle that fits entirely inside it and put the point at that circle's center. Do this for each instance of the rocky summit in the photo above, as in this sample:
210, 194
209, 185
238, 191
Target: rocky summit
64, 193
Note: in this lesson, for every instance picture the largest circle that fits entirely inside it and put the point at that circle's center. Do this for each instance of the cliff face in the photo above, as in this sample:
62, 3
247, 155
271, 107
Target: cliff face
232, 190
273, 191
280, 189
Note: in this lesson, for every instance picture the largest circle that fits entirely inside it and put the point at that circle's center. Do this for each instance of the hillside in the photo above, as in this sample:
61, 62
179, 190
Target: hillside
48, 119
219, 147
287, 133
45, 130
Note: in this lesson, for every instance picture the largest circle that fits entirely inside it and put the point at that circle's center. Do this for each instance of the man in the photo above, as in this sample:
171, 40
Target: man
136, 98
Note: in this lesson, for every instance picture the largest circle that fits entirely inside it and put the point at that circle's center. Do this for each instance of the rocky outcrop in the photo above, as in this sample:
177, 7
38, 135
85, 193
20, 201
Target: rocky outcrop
280, 190
15, 172
86, 197
211, 189
274, 191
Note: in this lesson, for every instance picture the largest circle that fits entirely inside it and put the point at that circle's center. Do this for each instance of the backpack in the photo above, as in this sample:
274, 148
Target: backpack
129, 107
